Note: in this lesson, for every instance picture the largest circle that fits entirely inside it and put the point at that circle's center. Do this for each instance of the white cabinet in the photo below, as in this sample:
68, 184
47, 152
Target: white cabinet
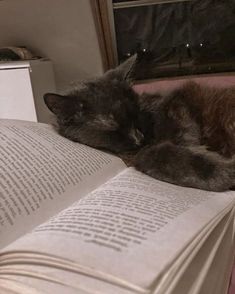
22, 86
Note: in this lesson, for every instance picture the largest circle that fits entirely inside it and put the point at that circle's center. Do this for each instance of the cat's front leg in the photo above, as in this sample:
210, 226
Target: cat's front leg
190, 167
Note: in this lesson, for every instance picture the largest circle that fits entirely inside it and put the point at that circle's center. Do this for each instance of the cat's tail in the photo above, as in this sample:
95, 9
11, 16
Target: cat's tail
224, 168
187, 166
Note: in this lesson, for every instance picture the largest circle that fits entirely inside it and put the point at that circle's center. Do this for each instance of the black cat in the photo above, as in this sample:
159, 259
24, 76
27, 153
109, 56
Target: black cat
186, 137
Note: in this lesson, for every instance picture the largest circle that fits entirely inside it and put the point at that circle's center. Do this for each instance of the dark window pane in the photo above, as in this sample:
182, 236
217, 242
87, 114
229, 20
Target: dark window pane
179, 38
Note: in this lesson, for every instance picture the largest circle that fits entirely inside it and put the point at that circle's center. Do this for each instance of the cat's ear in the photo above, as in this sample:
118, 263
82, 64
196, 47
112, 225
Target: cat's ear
124, 71
56, 103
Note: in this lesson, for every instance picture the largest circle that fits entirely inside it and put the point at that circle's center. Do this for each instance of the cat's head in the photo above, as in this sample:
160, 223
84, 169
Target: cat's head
103, 113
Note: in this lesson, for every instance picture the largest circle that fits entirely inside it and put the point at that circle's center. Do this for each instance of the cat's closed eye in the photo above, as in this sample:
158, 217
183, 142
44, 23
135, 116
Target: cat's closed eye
103, 122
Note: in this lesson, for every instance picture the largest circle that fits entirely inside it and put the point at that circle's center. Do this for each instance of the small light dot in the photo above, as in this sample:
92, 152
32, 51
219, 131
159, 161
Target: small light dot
144, 50
128, 54
187, 45
201, 44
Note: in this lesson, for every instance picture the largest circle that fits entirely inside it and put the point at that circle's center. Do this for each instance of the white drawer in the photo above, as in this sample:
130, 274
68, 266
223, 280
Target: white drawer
22, 86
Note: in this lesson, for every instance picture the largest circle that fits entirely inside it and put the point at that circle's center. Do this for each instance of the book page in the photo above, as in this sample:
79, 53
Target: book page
24, 281
197, 263
131, 225
41, 173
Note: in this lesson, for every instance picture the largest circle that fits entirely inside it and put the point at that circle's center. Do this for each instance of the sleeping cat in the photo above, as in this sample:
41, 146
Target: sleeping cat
186, 137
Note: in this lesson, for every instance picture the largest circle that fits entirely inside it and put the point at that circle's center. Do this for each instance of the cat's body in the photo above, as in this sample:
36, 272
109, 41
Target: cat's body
186, 137
194, 115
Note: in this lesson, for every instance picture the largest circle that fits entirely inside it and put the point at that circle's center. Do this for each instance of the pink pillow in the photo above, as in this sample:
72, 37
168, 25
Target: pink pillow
168, 84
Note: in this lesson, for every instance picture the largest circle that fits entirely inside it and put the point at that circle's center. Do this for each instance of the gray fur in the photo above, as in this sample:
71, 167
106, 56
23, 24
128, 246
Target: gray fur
162, 135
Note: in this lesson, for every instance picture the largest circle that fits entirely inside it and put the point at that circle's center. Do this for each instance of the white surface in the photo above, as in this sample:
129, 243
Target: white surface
16, 95
14, 64
22, 86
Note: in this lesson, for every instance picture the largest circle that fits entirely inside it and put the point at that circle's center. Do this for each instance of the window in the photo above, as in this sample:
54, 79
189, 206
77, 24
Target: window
174, 37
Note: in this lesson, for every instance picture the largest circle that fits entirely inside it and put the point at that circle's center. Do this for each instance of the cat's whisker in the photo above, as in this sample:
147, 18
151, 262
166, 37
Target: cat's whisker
136, 136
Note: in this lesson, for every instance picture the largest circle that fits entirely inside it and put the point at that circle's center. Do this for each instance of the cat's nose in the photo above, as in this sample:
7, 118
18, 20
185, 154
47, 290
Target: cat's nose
136, 136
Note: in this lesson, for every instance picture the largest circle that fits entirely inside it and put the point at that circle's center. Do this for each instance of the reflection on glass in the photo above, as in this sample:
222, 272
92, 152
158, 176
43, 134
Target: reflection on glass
178, 38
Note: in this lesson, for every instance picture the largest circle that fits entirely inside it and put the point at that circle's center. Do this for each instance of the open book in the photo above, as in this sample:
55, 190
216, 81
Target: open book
76, 220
